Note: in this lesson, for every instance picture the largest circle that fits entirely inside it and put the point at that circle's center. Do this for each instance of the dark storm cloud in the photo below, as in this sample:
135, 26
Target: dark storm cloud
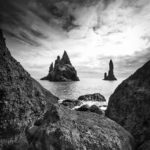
14, 15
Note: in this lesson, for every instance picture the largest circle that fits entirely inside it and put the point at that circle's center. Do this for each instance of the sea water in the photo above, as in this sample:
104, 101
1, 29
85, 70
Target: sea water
72, 90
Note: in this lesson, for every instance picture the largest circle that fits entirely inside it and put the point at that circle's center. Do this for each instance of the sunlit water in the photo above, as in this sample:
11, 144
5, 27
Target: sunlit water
72, 90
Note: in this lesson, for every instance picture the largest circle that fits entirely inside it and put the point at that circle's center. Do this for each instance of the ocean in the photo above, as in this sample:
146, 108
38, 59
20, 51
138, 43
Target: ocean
72, 90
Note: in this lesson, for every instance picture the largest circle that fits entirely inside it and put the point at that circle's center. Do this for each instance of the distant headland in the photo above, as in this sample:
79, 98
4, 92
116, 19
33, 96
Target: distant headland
62, 70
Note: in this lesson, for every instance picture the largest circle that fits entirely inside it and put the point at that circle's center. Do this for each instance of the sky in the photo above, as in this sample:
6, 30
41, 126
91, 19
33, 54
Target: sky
91, 31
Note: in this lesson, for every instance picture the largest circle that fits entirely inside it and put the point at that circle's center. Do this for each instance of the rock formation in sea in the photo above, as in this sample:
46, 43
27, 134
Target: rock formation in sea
31, 118
62, 71
110, 75
129, 106
92, 97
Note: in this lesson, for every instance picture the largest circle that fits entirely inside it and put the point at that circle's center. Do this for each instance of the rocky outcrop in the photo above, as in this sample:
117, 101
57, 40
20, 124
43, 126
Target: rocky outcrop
129, 105
92, 97
62, 71
22, 99
71, 103
63, 129
93, 108
110, 75
23, 126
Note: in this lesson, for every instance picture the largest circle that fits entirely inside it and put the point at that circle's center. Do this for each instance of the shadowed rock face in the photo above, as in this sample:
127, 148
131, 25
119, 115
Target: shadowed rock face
22, 99
70, 130
129, 105
110, 75
93, 97
63, 70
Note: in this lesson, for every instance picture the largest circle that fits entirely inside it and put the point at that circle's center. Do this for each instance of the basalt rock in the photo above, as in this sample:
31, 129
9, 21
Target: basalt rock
70, 103
63, 129
93, 97
110, 75
22, 99
129, 105
63, 70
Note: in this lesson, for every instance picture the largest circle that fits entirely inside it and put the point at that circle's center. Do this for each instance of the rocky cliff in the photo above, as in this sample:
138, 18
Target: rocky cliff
62, 71
129, 105
30, 118
22, 99
110, 75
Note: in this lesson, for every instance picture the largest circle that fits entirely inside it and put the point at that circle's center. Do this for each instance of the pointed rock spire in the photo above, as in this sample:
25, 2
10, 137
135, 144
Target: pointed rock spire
110, 75
51, 68
65, 59
62, 70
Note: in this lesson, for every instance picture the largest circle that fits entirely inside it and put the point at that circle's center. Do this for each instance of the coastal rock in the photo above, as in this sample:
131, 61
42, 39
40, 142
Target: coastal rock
63, 71
70, 103
129, 105
93, 108
22, 99
63, 129
110, 75
145, 146
93, 97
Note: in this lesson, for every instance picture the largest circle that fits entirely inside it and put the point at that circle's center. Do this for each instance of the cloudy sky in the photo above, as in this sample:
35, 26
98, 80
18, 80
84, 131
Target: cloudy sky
91, 31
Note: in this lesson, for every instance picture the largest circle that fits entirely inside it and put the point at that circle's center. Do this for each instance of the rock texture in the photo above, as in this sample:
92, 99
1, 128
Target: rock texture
93, 108
93, 97
63, 129
129, 105
62, 71
22, 99
110, 75
70, 103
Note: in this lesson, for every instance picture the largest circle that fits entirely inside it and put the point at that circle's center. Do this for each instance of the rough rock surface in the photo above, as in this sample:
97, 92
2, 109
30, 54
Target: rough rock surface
129, 105
70, 103
93, 108
93, 97
62, 71
63, 129
110, 75
22, 99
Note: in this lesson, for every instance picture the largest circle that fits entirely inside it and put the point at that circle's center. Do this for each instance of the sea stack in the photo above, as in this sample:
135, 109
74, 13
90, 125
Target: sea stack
110, 76
62, 70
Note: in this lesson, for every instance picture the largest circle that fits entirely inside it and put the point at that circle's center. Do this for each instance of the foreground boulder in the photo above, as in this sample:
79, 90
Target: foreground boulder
129, 105
22, 99
62, 71
92, 97
110, 75
63, 129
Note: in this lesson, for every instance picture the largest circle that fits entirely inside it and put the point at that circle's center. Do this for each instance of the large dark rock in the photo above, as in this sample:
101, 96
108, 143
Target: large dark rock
63, 129
129, 105
71, 103
62, 71
93, 108
93, 97
110, 75
22, 99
